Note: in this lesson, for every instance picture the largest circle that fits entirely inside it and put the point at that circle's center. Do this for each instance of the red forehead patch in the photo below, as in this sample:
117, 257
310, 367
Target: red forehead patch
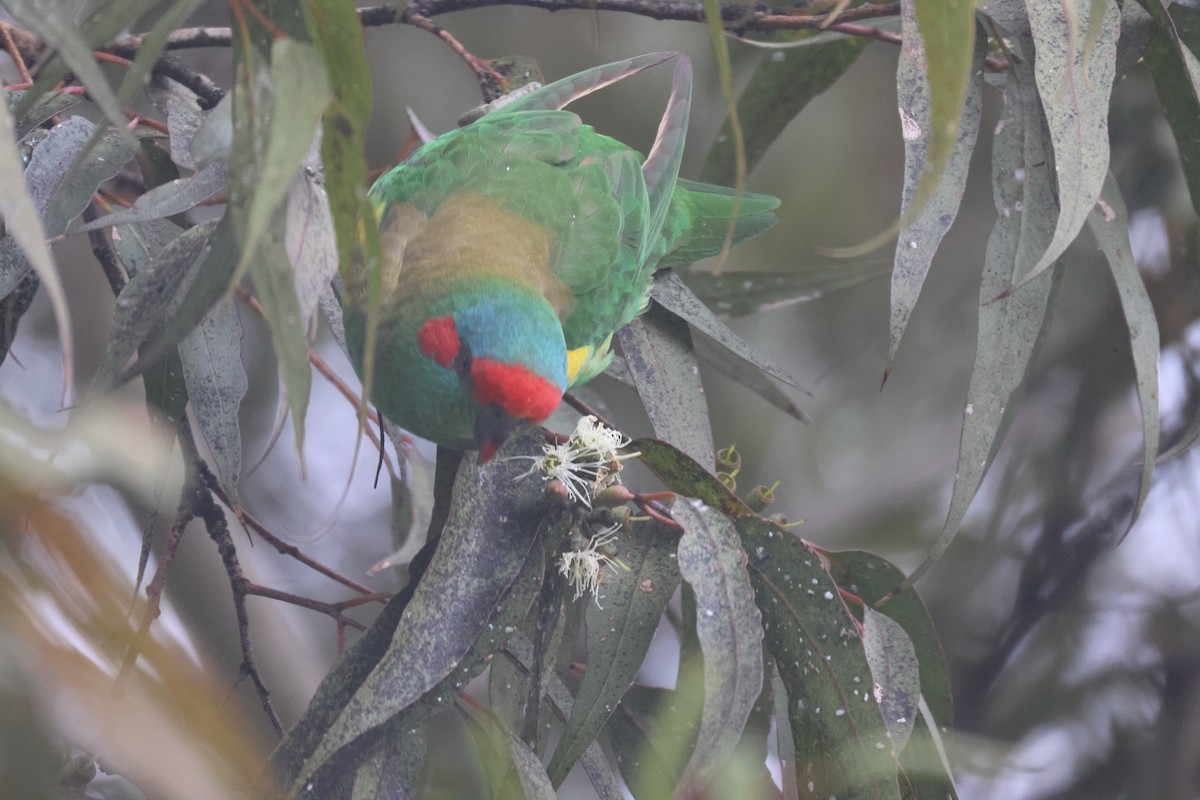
518, 390
438, 339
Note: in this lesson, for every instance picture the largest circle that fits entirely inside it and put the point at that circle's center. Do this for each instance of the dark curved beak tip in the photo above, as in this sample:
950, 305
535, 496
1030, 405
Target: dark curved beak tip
493, 425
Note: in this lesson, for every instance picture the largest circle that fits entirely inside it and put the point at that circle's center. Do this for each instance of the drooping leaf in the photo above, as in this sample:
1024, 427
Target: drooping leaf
60, 193
43, 109
730, 629
681, 474
55, 23
922, 233
12, 308
489, 539
740, 294
780, 88
618, 636
872, 578
1075, 98
393, 773
145, 299
895, 674
652, 732
23, 224
1010, 325
837, 726
658, 350
1109, 223
534, 783
947, 30
785, 745
168, 199
1173, 64
311, 242
216, 384
725, 350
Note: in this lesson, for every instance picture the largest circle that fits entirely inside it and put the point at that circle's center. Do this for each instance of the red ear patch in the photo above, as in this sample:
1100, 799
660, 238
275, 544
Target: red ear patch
521, 392
438, 339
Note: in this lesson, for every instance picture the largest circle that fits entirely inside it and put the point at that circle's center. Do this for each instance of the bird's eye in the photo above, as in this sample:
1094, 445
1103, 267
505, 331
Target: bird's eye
462, 361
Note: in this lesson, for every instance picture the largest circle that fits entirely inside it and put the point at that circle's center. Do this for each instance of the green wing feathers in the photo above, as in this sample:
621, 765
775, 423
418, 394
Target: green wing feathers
699, 221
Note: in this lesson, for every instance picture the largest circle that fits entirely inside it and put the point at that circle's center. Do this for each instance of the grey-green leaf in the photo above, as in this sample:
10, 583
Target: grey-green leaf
729, 627
742, 293
618, 635
22, 222
658, 350
167, 200
1109, 223
895, 674
1010, 324
921, 236
145, 299
216, 384
43, 109
1075, 96
311, 241
488, 539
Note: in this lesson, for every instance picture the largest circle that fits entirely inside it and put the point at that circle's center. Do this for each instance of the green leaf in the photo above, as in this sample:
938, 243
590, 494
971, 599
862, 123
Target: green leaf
785, 745
167, 200
145, 299
652, 732
730, 629
873, 579
394, 771
201, 294
23, 224
947, 30
837, 726
681, 474
275, 117
1109, 223
780, 88
1075, 97
658, 350
275, 287
721, 347
1010, 324
535, 784
1176, 71
55, 22
618, 636
895, 674
12, 308
60, 189
43, 108
216, 384
743, 293
925, 225
488, 541
311, 242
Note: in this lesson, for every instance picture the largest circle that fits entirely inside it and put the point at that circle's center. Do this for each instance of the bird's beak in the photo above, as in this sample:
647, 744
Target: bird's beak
493, 425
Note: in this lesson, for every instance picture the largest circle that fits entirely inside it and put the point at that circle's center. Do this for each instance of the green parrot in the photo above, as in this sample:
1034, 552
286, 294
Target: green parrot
515, 247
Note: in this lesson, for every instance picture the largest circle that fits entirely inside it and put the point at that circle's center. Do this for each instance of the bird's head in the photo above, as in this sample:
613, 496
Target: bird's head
505, 360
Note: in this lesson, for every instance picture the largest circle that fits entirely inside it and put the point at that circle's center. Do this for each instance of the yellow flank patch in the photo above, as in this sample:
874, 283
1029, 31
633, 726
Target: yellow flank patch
575, 360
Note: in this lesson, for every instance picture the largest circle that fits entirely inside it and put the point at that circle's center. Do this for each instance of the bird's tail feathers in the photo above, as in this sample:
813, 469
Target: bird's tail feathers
704, 221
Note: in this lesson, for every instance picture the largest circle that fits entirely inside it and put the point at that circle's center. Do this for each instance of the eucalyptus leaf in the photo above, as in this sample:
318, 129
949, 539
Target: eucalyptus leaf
488, 540
925, 224
54, 21
1109, 224
743, 293
658, 350
1176, 72
618, 636
730, 629
1075, 95
894, 673
1011, 324
840, 737
394, 771
216, 380
311, 241
145, 299
168, 199
44, 108
780, 88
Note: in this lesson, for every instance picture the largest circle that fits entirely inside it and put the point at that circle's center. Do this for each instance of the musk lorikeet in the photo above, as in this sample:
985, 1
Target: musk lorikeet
515, 247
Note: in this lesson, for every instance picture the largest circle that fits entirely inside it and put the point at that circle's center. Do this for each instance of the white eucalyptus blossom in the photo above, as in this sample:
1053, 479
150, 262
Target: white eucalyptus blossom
584, 568
587, 463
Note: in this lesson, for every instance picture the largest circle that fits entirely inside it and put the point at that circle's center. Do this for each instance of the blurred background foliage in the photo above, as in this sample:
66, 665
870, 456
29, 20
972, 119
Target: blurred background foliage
1075, 663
